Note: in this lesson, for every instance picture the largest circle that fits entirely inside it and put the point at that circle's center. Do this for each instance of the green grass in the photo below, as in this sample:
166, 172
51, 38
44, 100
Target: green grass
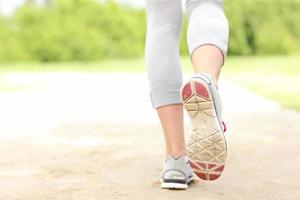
277, 77
118, 65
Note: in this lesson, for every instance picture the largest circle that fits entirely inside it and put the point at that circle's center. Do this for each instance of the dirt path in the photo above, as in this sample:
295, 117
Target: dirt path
80, 136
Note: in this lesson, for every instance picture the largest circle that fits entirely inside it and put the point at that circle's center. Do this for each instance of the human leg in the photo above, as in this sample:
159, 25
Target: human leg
207, 41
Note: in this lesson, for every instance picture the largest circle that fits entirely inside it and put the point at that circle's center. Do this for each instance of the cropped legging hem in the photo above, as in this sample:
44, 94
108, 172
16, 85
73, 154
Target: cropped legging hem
207, 25
165, 95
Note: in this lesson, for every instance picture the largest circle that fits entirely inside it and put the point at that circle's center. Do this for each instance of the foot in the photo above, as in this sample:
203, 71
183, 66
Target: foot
177, 173
206, 148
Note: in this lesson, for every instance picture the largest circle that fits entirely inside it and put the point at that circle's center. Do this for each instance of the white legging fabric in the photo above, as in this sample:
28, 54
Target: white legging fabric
207, 24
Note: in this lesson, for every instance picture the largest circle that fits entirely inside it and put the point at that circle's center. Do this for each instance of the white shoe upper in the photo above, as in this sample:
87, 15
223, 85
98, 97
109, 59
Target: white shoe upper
215, 94
177, 170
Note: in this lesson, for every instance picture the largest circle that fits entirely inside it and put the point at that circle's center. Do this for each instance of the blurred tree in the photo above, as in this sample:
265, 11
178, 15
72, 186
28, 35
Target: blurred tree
87, 30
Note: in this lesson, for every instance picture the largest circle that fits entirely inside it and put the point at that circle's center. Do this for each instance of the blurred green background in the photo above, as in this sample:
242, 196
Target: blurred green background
90, 35
86, 30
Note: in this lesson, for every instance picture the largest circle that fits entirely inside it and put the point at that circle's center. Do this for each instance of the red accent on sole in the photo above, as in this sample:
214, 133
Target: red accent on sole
201, 175
203, 165
193, 165
201, 90
197, 165
220, 169
205, 171
211, 166
186, 91
224, 126
213, 176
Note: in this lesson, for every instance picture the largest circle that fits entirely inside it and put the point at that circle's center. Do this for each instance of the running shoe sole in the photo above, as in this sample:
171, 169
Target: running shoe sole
174, 185
207, 147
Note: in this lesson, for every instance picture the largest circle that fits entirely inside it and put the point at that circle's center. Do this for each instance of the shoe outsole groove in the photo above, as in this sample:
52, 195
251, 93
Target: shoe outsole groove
206, 148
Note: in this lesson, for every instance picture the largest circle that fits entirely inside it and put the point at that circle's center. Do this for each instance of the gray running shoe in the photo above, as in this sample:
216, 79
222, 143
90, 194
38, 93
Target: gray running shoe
177, 173
207, 147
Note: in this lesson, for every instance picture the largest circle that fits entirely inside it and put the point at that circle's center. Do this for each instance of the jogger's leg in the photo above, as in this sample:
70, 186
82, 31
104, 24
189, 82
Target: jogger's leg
164, 18
171, 118
207, 42
207, 36
208, 59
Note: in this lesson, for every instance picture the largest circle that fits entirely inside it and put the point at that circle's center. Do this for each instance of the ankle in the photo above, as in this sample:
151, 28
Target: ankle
177, 154
212, 76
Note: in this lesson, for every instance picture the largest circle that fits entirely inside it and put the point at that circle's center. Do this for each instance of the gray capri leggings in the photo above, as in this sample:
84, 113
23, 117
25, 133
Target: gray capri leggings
207, 25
